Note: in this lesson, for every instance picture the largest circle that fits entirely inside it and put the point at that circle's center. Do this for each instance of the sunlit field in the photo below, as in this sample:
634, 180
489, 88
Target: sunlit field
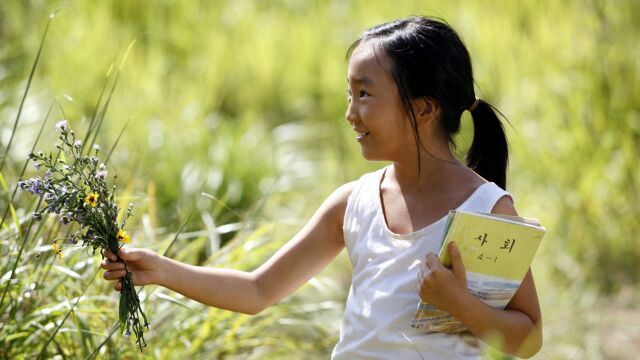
226, 120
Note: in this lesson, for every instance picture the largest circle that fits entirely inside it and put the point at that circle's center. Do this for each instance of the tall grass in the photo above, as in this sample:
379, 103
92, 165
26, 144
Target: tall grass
243, 101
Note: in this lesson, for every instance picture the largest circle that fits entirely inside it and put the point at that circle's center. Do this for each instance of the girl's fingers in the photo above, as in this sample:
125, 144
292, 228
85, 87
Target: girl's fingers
132, 254
117, 286
432, 261
109, 255
424, 270
457, 265
114, 274
107, 265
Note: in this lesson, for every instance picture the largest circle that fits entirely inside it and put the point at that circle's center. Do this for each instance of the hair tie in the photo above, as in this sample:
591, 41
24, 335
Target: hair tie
474, 105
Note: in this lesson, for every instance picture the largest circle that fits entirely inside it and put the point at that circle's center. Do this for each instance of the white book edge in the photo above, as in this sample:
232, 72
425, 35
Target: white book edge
517, 220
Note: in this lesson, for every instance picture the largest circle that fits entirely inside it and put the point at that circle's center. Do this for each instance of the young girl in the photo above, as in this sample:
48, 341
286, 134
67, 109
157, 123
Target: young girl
409, 80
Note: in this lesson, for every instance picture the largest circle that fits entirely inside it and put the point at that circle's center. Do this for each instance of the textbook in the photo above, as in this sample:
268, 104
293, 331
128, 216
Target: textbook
497, 250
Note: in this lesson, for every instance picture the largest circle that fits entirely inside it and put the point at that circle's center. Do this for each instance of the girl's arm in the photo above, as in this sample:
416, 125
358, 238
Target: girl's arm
317, 244
516, 330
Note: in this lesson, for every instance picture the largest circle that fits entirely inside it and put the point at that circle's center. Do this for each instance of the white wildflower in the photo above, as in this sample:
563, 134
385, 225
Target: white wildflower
62, 125
101, 175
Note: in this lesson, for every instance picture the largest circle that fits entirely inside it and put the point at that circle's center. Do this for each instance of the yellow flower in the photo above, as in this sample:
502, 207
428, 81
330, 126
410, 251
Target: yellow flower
57, 250
122, 236
92, 199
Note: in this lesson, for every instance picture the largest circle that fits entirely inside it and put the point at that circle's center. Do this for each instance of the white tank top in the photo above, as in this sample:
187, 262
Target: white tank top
384, 288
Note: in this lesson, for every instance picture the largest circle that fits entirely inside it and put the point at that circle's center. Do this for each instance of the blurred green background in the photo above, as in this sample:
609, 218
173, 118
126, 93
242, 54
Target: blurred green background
234, 110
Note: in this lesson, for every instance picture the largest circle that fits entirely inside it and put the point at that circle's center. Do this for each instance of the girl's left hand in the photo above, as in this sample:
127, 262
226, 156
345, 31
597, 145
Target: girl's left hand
439, 285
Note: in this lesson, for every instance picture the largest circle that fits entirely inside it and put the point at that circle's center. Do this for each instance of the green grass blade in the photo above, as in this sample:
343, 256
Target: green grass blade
10, 207
66, 316
103, 112
26, 91
113, 147
26, 163
95, 110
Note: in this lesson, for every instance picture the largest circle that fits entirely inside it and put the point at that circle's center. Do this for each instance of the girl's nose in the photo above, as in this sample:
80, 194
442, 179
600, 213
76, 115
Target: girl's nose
351, 114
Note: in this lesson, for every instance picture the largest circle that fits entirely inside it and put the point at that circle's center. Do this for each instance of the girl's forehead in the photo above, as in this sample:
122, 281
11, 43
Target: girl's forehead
366, 63
364, 50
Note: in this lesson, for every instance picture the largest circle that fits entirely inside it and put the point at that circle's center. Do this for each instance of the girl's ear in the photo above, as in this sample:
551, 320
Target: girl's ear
426, 110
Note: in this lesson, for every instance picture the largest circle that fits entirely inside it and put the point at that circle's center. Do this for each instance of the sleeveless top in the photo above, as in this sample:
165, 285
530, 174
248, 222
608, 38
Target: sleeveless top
384, 287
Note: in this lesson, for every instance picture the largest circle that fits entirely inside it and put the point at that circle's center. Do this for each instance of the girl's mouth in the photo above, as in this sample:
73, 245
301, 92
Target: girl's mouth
362, 135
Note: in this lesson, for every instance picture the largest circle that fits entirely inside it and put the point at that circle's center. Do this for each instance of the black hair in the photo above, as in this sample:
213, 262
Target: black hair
429, 60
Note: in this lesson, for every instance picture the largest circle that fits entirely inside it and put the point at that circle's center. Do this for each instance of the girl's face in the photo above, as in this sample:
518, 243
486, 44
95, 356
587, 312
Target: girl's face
375, 110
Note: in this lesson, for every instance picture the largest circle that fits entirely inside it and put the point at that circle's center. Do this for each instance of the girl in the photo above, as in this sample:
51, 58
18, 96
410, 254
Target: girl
409, 82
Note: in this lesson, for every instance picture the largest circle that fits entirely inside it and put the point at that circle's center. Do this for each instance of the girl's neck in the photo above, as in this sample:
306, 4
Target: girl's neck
409, 177
438, 171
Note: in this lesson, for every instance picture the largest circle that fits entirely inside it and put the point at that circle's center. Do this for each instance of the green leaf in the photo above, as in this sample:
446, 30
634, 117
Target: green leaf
67, 272
124, 307
16, 336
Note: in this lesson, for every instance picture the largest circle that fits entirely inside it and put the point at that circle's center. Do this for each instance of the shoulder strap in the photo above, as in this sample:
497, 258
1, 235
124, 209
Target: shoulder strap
485, 198
361, 203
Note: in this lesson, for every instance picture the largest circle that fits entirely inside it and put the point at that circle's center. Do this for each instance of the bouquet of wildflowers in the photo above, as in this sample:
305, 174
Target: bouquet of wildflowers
75, 188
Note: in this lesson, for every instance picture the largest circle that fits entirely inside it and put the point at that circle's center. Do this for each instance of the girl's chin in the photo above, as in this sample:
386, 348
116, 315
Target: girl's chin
368, 155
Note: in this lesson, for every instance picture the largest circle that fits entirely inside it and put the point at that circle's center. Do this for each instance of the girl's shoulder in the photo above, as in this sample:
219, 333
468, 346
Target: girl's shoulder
337, 202
367, 182
335, 205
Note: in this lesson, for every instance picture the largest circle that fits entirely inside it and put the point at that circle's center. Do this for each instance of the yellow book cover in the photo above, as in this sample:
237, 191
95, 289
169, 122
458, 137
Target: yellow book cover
497, 251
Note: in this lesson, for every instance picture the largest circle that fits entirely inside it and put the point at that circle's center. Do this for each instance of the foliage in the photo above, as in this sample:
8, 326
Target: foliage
243, 101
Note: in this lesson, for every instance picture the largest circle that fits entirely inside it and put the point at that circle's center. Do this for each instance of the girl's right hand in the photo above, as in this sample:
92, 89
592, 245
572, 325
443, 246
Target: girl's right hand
145, 266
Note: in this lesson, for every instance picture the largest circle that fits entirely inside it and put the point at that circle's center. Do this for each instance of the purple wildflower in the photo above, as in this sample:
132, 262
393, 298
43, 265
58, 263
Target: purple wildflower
101, 175
33, 186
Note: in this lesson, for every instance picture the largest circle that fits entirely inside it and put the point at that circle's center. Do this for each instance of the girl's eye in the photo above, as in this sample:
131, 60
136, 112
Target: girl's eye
362, 93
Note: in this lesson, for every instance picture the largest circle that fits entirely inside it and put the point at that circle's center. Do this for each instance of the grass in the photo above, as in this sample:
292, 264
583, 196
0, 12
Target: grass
244, 101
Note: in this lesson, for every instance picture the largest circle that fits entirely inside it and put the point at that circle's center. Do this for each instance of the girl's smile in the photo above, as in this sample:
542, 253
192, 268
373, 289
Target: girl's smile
361, 135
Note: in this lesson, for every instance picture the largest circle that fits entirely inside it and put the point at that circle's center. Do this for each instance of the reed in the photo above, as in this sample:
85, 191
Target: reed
244, 101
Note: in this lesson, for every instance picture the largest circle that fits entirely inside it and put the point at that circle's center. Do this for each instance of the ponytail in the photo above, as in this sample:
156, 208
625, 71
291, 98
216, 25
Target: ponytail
489, 153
